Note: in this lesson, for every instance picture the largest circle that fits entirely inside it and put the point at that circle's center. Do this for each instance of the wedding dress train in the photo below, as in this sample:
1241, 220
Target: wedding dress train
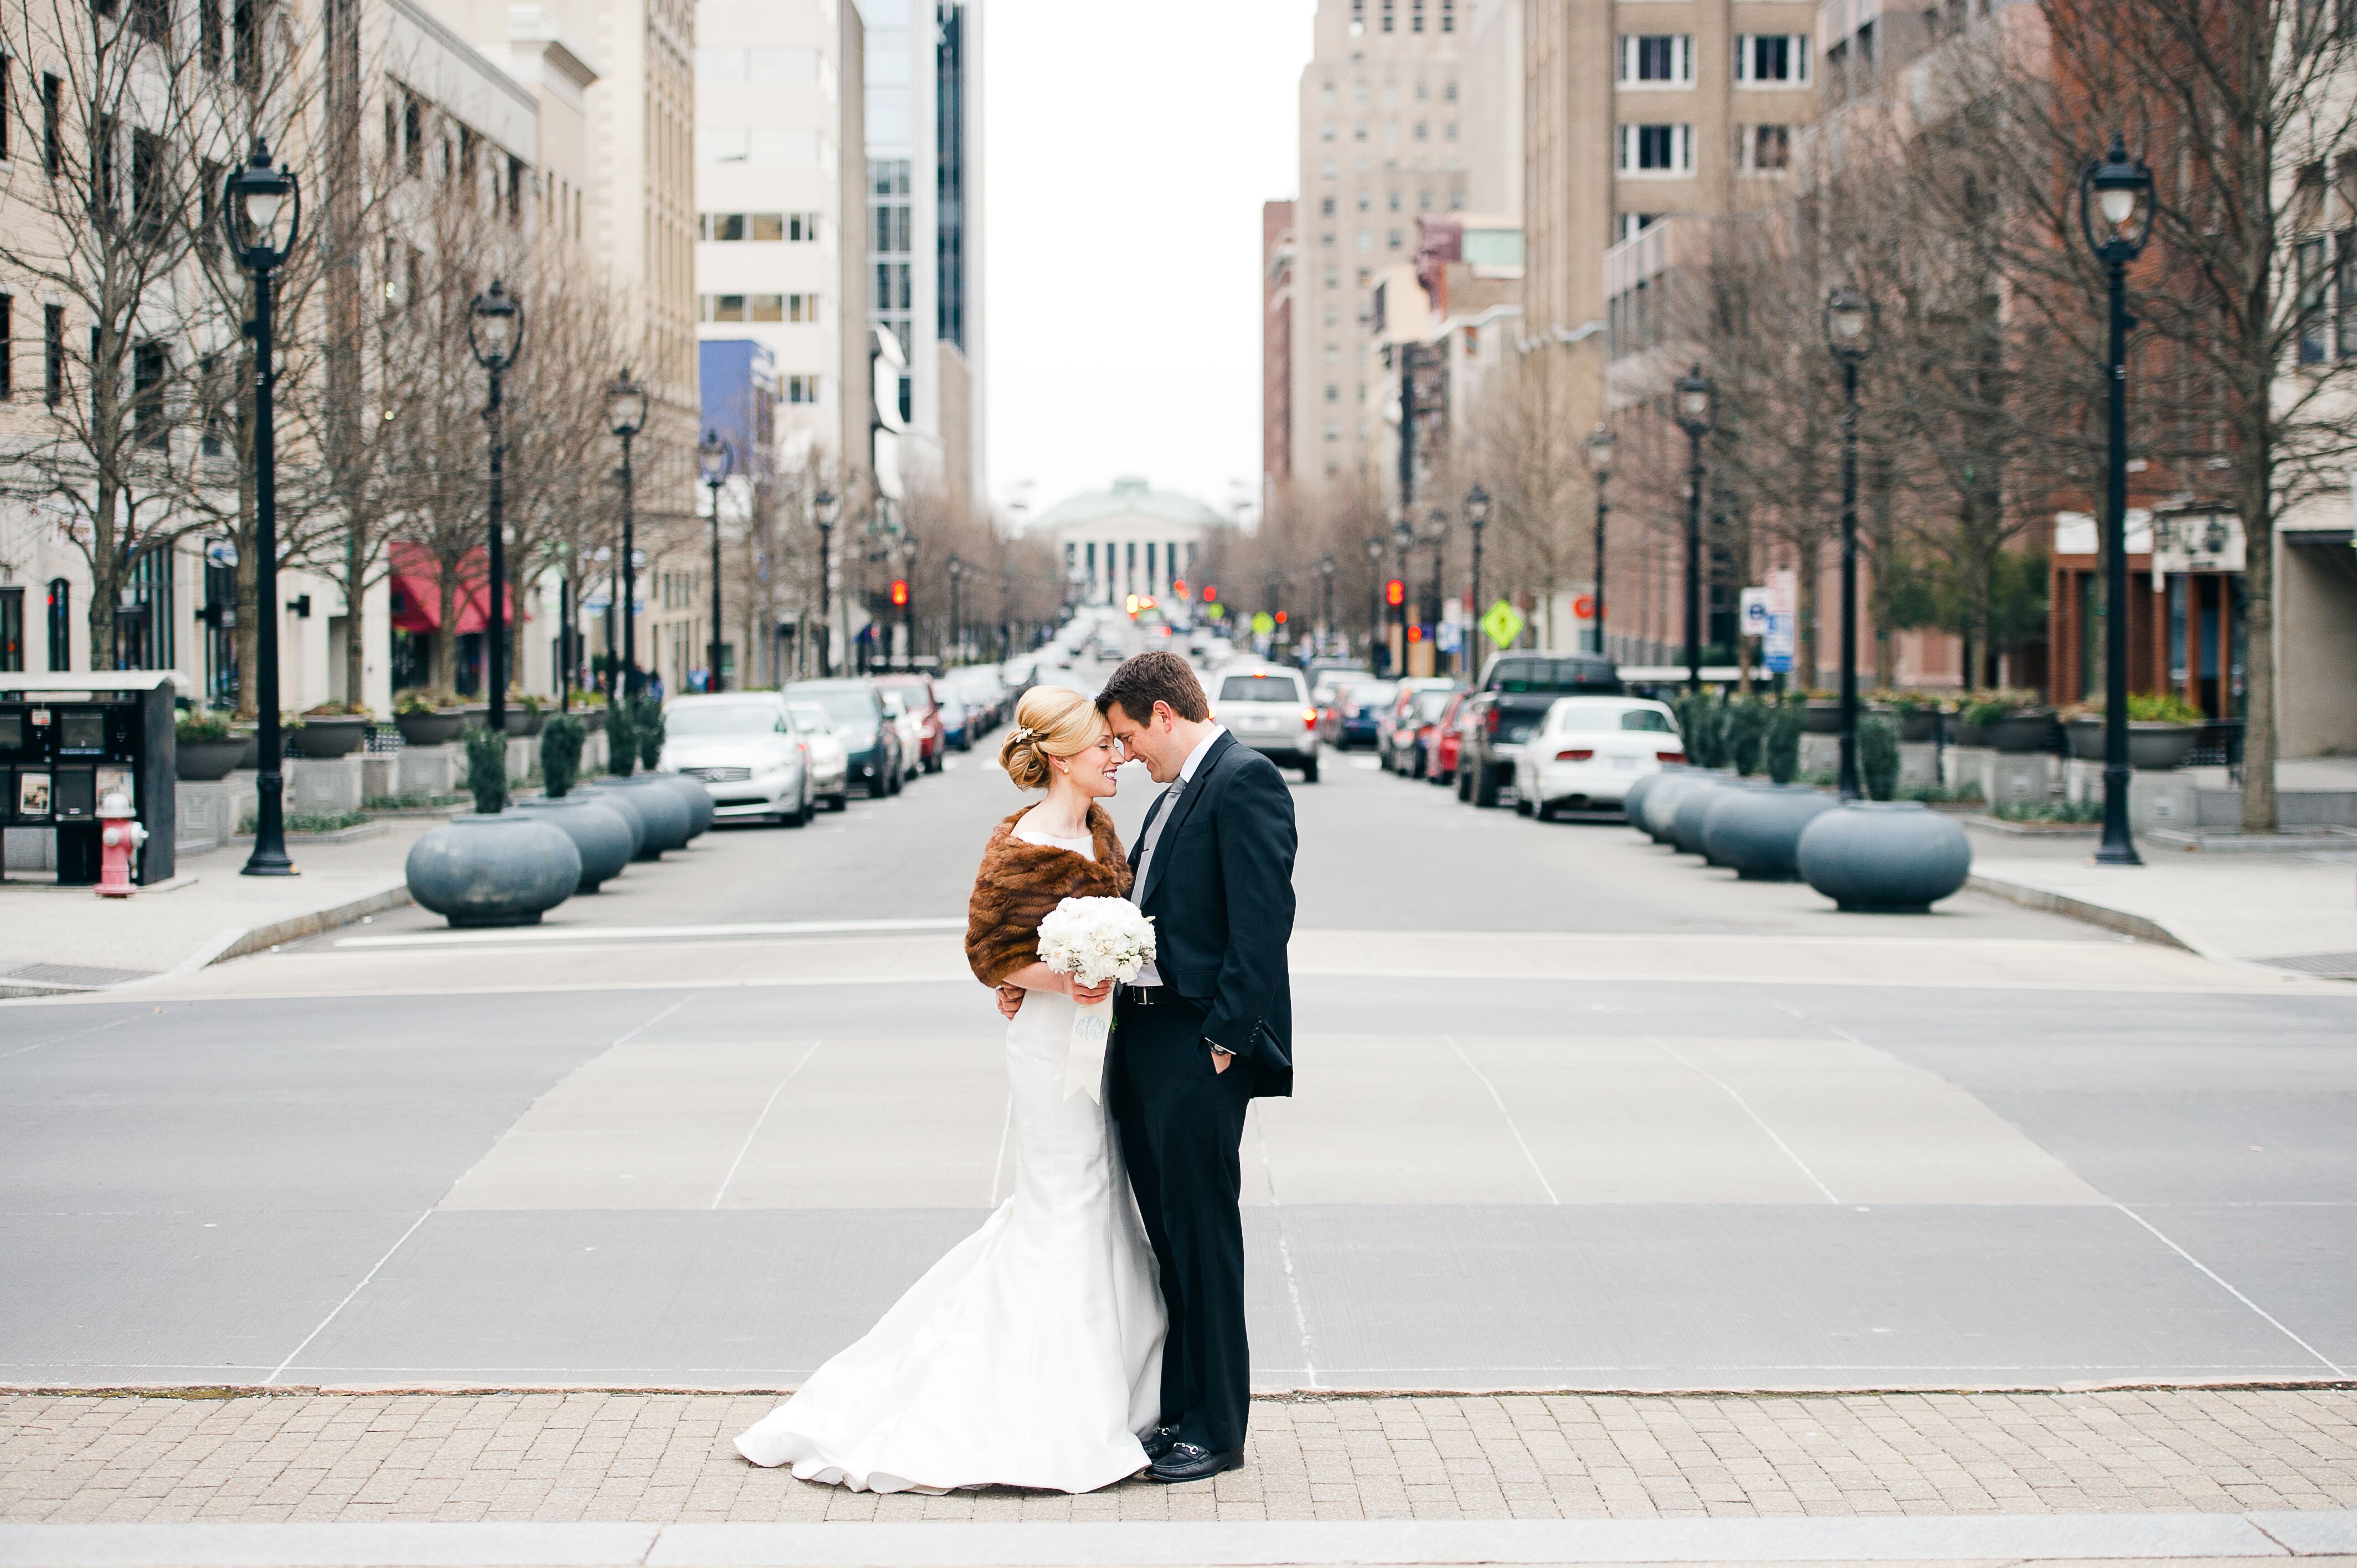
1031, 1354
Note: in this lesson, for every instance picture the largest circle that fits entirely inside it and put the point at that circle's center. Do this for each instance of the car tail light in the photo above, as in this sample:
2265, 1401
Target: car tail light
1573, 755
1489, 721
1671, 755
1309, 719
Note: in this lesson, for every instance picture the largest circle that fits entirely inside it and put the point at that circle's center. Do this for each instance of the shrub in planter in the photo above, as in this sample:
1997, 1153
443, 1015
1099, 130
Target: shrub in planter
1878, 756
621, 741
561, 740
1746, 735
206, 748
646, 723
1782, 747
486, 771
425, 720
335, 729
523, 714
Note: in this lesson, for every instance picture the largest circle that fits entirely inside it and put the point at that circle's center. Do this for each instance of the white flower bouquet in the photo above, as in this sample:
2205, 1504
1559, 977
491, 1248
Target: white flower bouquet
1094, 941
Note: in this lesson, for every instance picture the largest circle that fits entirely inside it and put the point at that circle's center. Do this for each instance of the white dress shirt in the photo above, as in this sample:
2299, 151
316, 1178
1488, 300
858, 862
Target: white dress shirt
1150, 975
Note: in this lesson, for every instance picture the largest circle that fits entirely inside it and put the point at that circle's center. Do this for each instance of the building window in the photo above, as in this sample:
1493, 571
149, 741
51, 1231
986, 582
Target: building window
2313, 280
1416, 16
757, 228
1388, 11
801, 389
2344, 292
53, 151
53, 354
1633, 223
1448, 15
1780, 60
1763, 149
1325, 207
1657, 59
758, 67
1394, 239
149, 365
1657, 149
60, 624
12, 629
413, 136
767, 148
8, 346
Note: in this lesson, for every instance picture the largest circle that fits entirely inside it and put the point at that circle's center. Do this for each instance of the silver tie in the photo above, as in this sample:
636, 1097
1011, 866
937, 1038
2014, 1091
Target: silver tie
1154, 837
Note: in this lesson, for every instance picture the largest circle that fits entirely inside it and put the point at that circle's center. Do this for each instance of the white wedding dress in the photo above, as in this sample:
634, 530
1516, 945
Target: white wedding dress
1031, 1354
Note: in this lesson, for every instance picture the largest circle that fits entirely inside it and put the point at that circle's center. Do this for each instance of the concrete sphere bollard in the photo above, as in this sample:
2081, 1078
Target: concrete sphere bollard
695, 796
1757, 831
617, 802
1661, 802
1886, 857
1693, 810
502, 870
597, 829
1632, 804
665, 812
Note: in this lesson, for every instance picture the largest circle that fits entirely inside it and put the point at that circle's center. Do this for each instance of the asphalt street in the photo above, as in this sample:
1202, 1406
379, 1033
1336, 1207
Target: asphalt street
700, 1129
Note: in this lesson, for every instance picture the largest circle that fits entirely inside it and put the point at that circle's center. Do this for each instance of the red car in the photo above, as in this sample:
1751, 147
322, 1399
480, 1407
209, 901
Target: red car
1441, 741
917, 694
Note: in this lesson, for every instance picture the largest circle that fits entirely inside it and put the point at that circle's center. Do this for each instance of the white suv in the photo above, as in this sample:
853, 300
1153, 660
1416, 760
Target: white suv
1268, 708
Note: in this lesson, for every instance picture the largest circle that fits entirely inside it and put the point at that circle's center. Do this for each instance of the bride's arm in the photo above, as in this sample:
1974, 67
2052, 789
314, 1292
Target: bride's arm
1037, 976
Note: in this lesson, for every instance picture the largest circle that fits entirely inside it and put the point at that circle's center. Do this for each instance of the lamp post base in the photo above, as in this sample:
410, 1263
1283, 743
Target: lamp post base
2118, 847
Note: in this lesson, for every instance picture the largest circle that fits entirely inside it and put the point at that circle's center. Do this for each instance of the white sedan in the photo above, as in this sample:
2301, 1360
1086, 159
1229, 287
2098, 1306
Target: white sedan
829, 763
1588, 750
746, 750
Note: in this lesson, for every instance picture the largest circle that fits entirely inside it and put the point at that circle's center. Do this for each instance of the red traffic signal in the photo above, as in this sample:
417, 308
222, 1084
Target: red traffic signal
1280, 618
1178, 587
899, 592
1211, 594
1395, 593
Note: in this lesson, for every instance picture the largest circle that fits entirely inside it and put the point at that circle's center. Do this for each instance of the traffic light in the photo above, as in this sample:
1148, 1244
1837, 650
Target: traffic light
1178, 587
1210, 595
1280, 618
1396, 592
900, 593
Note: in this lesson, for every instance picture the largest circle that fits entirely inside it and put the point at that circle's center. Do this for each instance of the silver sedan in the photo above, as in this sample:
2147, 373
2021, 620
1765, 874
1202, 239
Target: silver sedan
746, 750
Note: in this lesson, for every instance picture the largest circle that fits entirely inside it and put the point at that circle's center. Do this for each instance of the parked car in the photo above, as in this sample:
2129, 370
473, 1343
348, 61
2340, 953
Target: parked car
747, 752
1587, 751
830, 763
905, 726
871, 742
1267, 707
1355, 712
1445, 739
957, 733
1400, 726
916, 693
1518, 689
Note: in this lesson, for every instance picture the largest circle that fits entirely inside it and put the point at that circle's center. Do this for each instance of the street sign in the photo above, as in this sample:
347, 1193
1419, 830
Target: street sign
1583, 607
1755, 612
1777, 644
1263, 623
1504, 623
1448, 636
1781, 640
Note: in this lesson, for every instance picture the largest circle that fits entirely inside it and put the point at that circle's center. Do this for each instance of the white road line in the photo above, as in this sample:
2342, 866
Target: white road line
1757, 1118
348, 1295
639, 933
1544, 1186
61, 1039
1284, 1256
2273, 1320
757, 1121
650, 1023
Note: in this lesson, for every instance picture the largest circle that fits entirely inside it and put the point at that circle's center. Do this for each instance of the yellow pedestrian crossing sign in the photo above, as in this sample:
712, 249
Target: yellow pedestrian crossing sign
1504, 624
1263, 623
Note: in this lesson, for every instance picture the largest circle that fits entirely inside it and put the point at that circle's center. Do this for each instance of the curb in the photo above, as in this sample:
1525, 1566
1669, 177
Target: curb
2029, 896
238, 941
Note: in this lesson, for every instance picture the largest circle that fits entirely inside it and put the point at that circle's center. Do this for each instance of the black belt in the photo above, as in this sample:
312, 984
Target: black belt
1145, 995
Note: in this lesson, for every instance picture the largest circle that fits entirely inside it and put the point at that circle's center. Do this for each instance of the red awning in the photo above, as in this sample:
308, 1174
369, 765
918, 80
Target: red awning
416, 584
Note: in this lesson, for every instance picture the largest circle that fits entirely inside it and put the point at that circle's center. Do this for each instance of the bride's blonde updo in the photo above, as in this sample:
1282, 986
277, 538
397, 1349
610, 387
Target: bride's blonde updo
1051, 721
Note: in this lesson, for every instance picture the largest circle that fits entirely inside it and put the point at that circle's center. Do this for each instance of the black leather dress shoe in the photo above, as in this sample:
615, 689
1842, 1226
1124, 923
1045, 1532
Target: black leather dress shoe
1159, 1441
1192, 1462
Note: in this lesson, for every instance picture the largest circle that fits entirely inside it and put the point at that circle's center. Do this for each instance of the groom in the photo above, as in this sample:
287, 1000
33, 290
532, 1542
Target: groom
1207, 1027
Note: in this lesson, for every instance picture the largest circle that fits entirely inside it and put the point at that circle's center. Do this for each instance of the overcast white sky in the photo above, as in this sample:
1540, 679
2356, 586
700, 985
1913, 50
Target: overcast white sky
1128, 148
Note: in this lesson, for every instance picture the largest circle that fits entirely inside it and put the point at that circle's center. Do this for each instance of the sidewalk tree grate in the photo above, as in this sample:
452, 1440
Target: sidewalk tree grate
2331, 965
82, 976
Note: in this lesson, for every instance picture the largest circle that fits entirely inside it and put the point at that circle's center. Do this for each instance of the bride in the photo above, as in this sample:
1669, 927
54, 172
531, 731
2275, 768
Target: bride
1031, 1354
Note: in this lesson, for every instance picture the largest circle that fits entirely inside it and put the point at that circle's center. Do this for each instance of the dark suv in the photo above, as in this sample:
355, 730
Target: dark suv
1516, 693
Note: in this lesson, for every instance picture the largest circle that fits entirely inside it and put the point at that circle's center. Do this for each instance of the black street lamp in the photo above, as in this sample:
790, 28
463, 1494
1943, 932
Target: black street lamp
1477, 518
1375, 604
1326, 621
956, 568
2116, 216
908, 595
262, 209
1435, 535
1403, 541
1696, 399
495, 333
825, 508
1849, 334
1600, 468
626, 415
714, 458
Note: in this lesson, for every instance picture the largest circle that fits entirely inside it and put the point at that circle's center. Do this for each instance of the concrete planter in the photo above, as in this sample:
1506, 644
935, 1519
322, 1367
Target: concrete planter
1757, 831
593, 720
669, 826
2016, 733
1820, 717
522, 721
620, 803
1661, 802
2151, 745
1919, 725
1632, 804
695, 796
503, 870
331, 737
598, 830
1694, 811
202, 762
1886, 857
438, 728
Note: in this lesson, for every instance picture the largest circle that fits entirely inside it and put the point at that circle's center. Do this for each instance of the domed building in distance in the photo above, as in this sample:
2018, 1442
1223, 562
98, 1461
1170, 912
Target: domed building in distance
1131, 539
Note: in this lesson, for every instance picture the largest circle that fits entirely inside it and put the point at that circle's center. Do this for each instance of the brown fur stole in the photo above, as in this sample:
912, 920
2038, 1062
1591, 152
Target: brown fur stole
1020, 884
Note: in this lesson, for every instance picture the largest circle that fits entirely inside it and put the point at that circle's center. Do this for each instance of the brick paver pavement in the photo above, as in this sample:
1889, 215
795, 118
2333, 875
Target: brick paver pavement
666, 1458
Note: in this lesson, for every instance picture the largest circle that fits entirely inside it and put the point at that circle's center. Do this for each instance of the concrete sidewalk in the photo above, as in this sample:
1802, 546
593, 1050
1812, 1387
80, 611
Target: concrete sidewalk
2249, 908
55, 937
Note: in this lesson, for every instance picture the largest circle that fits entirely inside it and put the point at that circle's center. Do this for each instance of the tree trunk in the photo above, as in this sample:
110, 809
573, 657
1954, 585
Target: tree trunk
2259, 738
1810, 670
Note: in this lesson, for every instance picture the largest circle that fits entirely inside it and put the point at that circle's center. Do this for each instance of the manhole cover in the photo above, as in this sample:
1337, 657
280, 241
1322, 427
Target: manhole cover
2333, 965
82, 976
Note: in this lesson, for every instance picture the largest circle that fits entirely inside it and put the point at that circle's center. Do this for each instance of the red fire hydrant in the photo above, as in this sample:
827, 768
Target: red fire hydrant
118, 842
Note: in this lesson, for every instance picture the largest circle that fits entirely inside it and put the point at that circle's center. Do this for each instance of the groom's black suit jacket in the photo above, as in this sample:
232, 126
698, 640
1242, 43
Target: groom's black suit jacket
1220, 892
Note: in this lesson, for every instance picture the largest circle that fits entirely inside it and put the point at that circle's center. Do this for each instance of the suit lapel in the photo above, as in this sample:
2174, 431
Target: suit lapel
1196, 789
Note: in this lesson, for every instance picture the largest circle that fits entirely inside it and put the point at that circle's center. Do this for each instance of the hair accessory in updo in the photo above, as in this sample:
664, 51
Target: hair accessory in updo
1024, 733
1050, 721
